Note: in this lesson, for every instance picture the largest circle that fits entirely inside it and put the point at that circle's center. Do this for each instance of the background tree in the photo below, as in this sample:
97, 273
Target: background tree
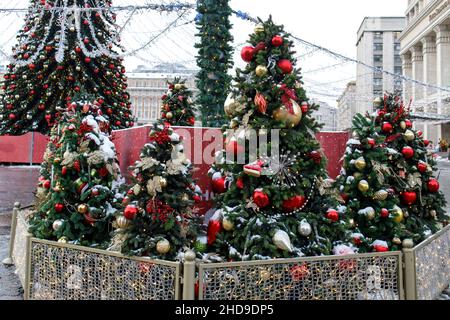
80, 180
214, 59
159, 219
274, 206
388, 180
61, 52
177, 109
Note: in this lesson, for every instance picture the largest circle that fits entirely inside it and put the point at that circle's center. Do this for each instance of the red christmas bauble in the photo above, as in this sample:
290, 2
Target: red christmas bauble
408, 152
285, 66
219, 185
422, 167
333, 215
387, 127
379, 248
95, 192
197, 198
304, 107
419, 133
103, 172
59, 207
234, 148
191, 121
408, 123
409, 197
47, 184
277, 41
247, 53
293, 203
371, 142
433, 185
240, 183
130, 212
316, 156
344, 197
64, 170
214, 227
299, 272
384, 213
260, 198
12, 116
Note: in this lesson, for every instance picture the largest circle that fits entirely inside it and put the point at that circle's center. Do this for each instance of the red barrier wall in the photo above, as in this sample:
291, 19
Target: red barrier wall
199, 148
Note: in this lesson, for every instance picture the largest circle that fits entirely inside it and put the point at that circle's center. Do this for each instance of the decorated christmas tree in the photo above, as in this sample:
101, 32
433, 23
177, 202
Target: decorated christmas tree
277, 205
387, 181
214, 59
60, 52
177, 109
78, 191
159, 219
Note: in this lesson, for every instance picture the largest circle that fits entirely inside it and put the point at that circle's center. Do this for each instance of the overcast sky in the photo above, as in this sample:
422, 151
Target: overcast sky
329, 23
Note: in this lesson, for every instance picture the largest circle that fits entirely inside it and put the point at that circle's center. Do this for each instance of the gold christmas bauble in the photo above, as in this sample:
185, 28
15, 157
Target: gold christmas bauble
261, 71
409, 135
360, 163
259, 28
163, 246
398, 214
63, 240
381, 195
352, 223
291, 119
407, 243
169, 115
185, 197
403, 125
357, 175
370, 213
396, 241
179, 86
82, 208
163, 182
363, 186
122, 222
377, 102
227, 224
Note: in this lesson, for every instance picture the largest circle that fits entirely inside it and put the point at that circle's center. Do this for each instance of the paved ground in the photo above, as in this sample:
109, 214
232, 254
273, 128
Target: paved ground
10, 288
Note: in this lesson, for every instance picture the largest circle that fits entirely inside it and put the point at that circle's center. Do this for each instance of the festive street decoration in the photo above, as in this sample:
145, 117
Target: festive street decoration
273, 206
79, 188
59, 54
177, 109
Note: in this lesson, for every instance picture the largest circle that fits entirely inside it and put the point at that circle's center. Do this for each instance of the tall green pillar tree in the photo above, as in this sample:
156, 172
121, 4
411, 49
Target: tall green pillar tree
214, 59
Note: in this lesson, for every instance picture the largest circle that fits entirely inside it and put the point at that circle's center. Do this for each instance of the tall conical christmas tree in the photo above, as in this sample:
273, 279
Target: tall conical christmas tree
388, 180
60, 52
159, 219
276, 206
80, 180
214, 59
177, 108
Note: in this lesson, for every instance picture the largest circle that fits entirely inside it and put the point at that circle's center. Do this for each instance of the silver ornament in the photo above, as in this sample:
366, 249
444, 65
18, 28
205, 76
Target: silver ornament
57, 224
304, 228
282, 241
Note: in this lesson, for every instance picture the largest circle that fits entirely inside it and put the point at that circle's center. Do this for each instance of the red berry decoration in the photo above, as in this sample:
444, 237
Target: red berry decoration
422, 167
247, 53
433, 185
130, 212
333, 215
293, 203
260, 198
384, 213
387, 127
285, 66
214, 227
409, 197
59, 207
277, 41
408, 152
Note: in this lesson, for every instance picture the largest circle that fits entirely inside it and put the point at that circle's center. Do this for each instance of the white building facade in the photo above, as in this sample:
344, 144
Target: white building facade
326, 115
346, 107
378, 45
147, 85
425, 50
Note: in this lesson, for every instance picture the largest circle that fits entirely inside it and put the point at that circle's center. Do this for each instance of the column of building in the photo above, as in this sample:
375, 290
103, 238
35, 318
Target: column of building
432, 132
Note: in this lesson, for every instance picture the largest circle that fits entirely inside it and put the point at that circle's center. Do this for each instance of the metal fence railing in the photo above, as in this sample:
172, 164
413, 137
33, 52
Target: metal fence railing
427, 267
51, 270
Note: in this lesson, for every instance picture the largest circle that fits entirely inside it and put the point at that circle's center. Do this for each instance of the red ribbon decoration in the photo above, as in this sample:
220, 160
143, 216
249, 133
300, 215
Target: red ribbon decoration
287, 96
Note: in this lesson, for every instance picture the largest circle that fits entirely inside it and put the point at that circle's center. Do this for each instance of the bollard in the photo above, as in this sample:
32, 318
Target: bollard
189, 276
9, 260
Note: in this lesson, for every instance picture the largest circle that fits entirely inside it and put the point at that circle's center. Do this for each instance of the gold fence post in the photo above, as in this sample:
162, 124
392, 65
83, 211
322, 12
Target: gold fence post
189, 276
26, 286
410, 274
9, 259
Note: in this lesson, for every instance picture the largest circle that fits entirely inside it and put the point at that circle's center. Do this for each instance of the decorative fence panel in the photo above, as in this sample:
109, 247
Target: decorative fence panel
19, 248
356, 277
63, 271
428, 267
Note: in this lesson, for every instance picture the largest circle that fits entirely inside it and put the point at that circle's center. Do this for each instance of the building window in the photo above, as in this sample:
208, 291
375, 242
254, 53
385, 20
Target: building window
397, 47
378, 35
378, 47
377, 81
398, 70
378, 58
397, 59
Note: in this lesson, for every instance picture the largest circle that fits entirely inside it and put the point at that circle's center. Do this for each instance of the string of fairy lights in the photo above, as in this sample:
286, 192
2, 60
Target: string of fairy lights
159, 32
